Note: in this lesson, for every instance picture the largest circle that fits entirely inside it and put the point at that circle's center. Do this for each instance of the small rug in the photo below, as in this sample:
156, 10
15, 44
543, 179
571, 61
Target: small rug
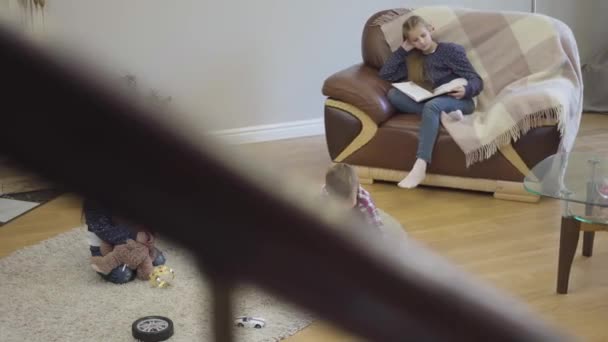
50, 293
11, 209
16, 204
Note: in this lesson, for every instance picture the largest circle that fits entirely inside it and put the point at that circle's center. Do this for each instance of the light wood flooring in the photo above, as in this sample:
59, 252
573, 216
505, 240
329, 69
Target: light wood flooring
510, 245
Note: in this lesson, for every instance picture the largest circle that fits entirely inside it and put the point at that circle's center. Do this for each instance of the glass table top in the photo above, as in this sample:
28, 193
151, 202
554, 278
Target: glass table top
580, 177
592, 219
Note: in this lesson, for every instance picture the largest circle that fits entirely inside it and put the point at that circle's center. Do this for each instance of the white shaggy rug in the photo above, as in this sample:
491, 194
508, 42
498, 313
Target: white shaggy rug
48, 292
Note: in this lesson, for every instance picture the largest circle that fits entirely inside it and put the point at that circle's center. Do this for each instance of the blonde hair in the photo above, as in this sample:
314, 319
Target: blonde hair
415, 59
341, 181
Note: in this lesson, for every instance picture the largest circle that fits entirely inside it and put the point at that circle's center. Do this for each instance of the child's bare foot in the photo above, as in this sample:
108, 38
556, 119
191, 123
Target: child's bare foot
416, 175
455, 115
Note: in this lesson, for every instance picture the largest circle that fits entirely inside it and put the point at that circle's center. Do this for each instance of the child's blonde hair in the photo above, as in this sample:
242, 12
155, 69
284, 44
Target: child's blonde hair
415, 60
341, 181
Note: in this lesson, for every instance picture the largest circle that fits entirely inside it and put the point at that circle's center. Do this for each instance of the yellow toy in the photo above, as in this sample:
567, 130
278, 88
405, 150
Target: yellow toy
161, 276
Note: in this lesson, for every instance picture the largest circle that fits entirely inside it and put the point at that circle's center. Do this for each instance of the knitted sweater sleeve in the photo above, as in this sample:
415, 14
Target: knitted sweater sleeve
395, 67
461, 66
99, 221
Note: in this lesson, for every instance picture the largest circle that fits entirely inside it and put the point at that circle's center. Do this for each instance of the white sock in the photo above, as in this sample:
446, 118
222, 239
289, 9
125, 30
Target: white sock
415, 176
455, 115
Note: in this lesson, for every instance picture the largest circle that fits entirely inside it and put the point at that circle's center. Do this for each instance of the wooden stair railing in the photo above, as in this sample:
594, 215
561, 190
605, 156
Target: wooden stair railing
82, 136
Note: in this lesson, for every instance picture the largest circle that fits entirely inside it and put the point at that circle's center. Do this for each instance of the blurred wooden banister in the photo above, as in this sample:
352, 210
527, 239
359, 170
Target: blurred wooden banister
80, 135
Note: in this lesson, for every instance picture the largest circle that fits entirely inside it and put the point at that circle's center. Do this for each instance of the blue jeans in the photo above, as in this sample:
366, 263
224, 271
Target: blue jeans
123, 274
431, 116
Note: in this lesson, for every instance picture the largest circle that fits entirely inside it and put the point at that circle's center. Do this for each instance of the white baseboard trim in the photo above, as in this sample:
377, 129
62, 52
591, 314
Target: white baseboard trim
285, 130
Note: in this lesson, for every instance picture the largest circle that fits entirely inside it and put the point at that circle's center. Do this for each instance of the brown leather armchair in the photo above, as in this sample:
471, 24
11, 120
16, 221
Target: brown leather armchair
364, 130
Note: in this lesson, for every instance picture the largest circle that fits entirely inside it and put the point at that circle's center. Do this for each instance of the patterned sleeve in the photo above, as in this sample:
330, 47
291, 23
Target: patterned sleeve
395, 67
368, 208
460, 64
99, 222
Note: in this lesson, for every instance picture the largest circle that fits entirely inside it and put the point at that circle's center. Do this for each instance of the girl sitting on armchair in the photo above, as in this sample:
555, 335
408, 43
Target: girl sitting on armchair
429, 64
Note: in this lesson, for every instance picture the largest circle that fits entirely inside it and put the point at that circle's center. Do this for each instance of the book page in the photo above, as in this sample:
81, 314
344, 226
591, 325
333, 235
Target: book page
413, 90
446, 88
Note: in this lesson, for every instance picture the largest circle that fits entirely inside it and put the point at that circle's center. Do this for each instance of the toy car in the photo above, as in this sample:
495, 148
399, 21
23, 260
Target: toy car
249, 322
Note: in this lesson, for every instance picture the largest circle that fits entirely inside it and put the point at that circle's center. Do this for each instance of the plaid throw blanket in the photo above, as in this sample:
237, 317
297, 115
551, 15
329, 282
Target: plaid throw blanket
530, 67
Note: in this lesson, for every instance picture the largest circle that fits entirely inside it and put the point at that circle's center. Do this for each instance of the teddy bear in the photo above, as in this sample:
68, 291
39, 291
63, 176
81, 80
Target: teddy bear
136, 254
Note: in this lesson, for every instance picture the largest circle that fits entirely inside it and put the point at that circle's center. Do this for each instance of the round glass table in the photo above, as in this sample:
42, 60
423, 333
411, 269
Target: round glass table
580, 180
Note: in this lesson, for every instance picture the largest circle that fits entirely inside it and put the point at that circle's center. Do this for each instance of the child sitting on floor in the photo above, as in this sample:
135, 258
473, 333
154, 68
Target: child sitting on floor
103, 226
342, 184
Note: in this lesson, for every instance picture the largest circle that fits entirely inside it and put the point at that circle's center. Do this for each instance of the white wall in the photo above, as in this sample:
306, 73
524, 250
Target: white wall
234, 64
586, 18
595, 30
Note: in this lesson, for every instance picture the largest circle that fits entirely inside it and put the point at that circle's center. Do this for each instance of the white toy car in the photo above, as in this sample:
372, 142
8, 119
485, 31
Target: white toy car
249, 322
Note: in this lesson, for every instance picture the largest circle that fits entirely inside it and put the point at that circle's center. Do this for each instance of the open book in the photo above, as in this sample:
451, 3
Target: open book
417, 93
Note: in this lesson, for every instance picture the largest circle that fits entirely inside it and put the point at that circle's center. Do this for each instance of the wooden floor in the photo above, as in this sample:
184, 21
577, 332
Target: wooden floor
511, 245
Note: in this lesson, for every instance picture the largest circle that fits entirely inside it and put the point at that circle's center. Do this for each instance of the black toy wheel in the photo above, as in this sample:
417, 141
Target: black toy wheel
152, 329
240, 325
257, 326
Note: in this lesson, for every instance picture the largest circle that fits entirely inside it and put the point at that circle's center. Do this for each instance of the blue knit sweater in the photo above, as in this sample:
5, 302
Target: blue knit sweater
449, 61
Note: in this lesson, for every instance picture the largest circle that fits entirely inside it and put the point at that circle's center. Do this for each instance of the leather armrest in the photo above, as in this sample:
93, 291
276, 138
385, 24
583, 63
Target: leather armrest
361, 87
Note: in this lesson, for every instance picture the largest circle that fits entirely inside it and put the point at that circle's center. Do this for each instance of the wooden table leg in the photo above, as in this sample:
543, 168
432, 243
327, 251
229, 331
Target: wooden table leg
568, 242
588, 243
